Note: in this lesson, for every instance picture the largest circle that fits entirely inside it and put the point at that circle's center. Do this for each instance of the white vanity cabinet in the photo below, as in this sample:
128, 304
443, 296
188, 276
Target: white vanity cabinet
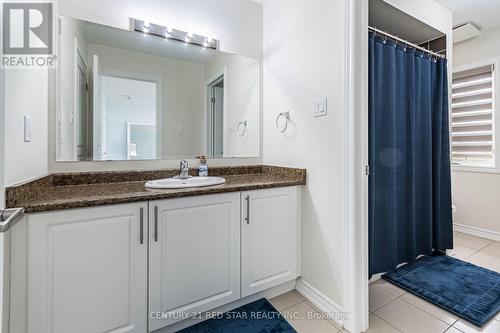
269, 238
194, 256
134, 268
87, 270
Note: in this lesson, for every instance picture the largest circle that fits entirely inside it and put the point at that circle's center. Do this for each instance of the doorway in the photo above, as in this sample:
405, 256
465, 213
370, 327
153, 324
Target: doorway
129, 117
215, 123
83, 129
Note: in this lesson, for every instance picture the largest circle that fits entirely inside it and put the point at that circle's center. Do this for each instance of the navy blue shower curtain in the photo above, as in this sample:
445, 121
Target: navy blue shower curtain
410, 209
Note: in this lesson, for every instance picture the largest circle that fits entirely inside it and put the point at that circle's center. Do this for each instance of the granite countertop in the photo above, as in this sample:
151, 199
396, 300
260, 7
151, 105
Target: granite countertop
77, 190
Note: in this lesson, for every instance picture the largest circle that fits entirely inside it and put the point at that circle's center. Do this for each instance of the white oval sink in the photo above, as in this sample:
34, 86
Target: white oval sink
184, 183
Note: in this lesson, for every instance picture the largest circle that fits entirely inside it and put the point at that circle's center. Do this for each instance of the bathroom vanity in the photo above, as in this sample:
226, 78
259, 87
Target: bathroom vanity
98, 252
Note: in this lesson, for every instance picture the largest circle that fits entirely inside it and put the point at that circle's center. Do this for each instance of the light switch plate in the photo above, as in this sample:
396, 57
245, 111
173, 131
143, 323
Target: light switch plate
27, 129
320, 107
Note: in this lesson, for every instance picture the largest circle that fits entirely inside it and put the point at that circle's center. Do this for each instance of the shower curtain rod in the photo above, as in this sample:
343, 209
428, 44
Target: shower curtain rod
405, 42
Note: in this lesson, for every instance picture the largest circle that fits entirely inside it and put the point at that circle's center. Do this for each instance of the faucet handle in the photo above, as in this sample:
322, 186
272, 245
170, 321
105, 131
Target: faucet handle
184, 164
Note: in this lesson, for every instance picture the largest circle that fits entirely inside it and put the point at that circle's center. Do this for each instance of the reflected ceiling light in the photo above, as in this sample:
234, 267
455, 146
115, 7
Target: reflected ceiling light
169, 33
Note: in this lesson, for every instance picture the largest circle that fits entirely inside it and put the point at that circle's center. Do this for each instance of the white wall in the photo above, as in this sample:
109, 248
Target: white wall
242, 102
476, 194
25, 94
486, 46
236, 23
304, 57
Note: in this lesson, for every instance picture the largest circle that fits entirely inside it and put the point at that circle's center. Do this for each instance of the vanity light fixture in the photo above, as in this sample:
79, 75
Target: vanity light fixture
168, 32
148, 28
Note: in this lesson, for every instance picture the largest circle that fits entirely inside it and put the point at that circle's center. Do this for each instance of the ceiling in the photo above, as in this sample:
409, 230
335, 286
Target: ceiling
394, 21
485, 14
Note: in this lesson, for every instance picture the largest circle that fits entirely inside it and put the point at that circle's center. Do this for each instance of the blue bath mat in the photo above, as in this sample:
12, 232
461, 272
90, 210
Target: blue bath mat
469, 291
257, 317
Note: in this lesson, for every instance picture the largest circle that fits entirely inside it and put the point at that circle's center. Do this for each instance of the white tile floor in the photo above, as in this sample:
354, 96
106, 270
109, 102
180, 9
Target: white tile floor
298, 311
394, 310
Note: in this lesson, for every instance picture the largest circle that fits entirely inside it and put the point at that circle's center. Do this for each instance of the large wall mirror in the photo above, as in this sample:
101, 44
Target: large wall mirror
126, 95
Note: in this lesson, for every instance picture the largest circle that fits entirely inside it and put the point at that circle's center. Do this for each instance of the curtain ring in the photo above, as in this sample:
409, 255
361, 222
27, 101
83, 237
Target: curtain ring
385, 39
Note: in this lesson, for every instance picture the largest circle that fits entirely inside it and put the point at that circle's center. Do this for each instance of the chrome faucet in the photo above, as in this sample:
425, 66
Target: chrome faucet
184, 169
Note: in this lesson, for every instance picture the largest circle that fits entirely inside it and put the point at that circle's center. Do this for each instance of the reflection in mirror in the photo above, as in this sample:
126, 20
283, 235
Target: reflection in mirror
124, 95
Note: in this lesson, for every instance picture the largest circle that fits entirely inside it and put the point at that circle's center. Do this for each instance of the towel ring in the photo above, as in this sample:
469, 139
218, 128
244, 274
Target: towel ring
285, 115
242, 128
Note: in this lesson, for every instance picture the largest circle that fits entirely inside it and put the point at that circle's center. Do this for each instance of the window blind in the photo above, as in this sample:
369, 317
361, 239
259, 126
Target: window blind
472, 117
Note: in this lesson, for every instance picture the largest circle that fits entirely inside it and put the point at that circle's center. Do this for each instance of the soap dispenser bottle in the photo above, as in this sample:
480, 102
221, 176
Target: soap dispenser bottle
203, 167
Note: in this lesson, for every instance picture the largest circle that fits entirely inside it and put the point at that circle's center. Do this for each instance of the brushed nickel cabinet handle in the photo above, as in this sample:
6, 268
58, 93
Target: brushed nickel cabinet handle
156, 224
248, 209
141, 226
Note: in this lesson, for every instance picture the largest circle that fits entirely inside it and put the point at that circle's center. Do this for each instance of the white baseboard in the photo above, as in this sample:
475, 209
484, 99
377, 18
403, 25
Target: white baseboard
474, 231
319, 300
375, 277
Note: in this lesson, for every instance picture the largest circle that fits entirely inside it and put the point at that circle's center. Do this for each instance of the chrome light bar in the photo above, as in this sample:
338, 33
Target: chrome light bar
174, 34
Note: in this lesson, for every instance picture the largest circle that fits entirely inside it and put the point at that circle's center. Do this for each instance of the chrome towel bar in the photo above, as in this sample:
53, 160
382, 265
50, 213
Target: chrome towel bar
9, 217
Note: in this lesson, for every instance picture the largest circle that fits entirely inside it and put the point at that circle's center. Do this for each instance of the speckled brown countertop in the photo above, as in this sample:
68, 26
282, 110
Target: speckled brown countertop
76, 190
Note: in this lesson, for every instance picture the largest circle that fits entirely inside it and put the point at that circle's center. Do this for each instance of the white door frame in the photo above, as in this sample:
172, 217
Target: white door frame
2, 142
207, 116
80, 65
160, 143
355, 277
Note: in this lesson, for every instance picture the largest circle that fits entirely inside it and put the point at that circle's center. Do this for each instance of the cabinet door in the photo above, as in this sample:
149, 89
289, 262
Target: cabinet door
87, 270
194, 256
269, 238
